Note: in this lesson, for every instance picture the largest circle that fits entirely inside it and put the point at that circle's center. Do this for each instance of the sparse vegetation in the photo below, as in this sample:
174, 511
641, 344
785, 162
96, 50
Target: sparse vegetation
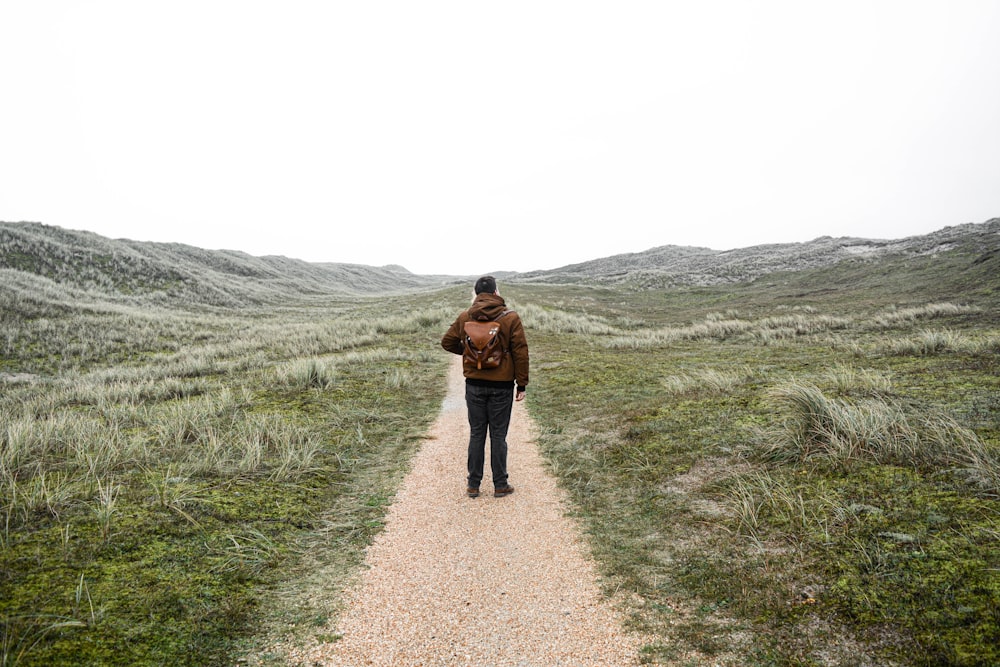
790, 483
163, 468
797, 470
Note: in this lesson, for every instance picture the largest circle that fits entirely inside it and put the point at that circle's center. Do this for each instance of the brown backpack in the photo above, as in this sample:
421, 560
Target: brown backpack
482, 345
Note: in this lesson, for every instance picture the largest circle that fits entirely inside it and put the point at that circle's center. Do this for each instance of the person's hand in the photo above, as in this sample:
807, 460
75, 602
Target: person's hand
519, 396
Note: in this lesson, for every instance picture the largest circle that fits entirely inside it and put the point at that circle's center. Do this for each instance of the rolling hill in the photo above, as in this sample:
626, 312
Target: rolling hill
669, 266
89, 264
81, 265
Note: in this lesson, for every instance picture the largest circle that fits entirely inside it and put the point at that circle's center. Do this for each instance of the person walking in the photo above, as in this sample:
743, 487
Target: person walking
490, 387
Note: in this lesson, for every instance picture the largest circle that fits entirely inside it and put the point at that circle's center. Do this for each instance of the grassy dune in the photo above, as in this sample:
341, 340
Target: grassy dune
799, 470
775, 474
166, 474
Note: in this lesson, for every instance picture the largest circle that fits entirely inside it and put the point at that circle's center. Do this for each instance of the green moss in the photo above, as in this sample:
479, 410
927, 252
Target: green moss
899, 562
895, 562
186, 571
925, 563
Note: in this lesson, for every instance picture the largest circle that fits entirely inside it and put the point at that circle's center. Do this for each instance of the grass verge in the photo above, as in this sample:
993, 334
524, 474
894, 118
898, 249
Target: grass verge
783, 483
159, 509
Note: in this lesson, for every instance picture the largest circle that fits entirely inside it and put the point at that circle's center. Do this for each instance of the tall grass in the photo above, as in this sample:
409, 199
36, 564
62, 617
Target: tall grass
931, 341
894, 316
818, 427
307, 373
848, 380
180, 456
775, 485
554, 320
764, 330
761, 502
708, 380
169, 436
806, 321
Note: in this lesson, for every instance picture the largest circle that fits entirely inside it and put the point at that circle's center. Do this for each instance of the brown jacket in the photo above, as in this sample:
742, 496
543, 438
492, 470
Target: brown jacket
515, 363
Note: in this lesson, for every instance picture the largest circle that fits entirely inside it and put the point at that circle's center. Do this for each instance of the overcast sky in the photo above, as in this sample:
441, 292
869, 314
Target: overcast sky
465, 137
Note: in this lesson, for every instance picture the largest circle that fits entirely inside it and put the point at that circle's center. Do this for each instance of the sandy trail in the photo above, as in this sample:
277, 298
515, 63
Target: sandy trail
488, 581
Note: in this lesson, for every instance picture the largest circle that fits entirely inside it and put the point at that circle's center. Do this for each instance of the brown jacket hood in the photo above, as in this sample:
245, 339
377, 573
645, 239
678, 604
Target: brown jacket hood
487, 307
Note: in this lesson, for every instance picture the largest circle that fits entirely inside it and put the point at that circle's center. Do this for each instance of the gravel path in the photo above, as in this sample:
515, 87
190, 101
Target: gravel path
480, 582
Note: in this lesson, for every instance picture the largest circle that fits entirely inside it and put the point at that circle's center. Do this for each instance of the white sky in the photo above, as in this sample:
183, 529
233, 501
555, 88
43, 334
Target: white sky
411, 132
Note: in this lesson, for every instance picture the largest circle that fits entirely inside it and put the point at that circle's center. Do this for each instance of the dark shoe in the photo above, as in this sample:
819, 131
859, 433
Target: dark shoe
502, 491
472, 492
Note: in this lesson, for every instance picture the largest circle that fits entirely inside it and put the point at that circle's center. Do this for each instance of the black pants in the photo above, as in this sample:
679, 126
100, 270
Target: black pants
489, 408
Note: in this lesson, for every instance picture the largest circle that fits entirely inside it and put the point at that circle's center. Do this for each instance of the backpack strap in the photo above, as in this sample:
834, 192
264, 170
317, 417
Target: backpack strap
496, 319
